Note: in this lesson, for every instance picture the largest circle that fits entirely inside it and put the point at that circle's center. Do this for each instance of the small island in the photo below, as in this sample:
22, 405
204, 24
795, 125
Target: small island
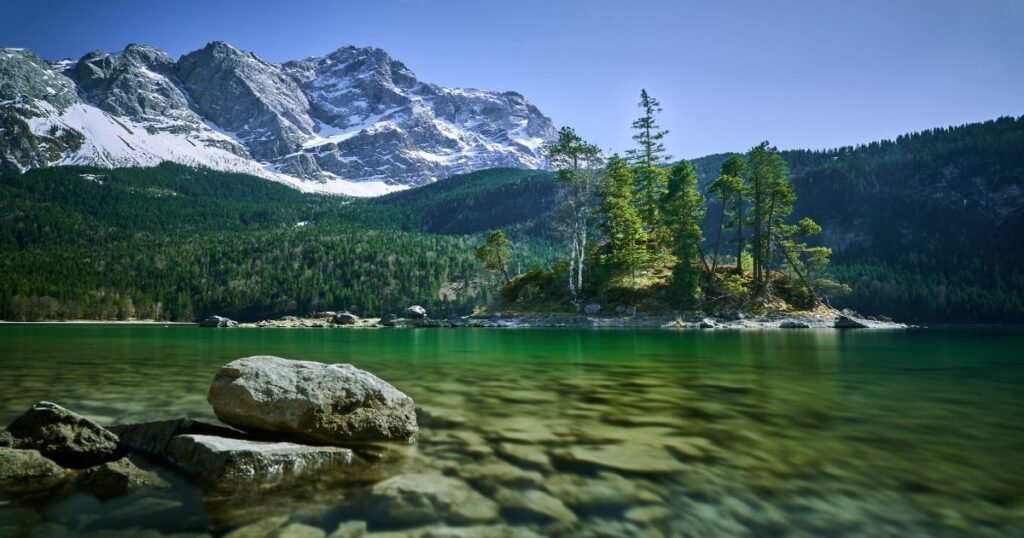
634, 253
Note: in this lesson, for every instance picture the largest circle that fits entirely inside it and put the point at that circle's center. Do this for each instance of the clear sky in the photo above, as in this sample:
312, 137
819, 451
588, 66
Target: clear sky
729, 73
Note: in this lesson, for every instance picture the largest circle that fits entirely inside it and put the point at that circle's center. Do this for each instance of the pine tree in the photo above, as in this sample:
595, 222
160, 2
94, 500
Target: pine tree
728, 188
772, 197
621, 224
651, 178
682, 210
807, 263
575, 162
495, 254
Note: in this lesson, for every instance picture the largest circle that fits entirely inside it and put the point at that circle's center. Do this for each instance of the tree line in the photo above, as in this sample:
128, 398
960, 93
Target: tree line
626, 220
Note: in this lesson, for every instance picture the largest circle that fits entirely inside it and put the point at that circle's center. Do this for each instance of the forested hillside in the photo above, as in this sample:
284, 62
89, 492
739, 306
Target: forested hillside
923, 228
178, 243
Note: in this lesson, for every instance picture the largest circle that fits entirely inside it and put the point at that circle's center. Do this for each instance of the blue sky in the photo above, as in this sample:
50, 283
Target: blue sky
729, 73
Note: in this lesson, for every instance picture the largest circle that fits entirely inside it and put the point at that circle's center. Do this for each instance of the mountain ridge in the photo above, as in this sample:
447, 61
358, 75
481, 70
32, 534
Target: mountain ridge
354, 121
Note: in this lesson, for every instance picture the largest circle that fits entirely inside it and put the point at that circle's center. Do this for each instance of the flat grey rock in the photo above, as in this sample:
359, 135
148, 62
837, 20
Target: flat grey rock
153, 437
213, 459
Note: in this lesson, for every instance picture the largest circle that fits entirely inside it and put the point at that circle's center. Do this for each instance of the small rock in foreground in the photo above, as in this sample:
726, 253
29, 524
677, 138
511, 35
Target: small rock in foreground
67, 438
117, 478
18, 466
310, 401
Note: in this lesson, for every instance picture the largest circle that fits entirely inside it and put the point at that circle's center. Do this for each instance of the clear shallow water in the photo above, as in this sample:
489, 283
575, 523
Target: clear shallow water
636, 433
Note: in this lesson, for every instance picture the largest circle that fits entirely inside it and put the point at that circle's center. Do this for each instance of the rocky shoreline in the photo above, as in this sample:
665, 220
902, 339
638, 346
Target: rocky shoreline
414, 317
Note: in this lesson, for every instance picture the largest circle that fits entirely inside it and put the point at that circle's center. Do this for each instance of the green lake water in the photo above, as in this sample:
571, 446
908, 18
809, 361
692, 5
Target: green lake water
587, 432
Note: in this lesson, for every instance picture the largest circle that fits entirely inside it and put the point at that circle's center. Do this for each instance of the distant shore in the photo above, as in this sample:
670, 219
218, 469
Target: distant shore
822, 319
98, 322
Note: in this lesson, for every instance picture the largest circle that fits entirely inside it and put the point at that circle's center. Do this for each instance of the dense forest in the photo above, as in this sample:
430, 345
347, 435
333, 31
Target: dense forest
922, 228
178, 243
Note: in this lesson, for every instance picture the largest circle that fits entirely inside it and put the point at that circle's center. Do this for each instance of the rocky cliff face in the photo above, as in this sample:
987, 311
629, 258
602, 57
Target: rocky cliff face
355, 121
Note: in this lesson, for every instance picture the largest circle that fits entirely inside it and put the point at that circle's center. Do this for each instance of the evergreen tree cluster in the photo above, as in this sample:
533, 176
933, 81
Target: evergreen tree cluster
650, 216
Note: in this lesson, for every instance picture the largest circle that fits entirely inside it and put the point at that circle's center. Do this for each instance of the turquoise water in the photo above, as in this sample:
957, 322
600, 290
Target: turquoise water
870, 433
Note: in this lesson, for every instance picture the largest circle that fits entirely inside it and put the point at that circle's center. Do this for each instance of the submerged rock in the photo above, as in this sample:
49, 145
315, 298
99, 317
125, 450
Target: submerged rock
218, 321
846, 322
214, 458
628, 458
413, 499
349, 529
18, 466
310, 401
535, 504
117, 478
67, 438
605, 491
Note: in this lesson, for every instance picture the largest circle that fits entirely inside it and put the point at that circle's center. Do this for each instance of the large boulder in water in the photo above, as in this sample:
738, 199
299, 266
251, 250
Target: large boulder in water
310, 401
65, 437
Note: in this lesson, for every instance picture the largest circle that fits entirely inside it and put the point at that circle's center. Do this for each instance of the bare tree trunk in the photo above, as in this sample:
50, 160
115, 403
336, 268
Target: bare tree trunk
582, 254
572, 256
768, 247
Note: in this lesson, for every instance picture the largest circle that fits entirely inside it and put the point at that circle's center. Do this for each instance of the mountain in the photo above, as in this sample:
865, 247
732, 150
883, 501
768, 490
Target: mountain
355, 121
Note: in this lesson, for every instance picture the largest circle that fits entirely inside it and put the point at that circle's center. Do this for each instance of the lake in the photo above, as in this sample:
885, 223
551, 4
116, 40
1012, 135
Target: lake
587, 432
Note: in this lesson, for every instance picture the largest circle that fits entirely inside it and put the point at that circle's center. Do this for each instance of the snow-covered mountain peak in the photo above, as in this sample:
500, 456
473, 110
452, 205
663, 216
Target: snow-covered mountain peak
353, 117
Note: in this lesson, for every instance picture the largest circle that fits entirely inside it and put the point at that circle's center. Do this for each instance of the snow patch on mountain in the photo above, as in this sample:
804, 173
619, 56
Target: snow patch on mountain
354, 122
